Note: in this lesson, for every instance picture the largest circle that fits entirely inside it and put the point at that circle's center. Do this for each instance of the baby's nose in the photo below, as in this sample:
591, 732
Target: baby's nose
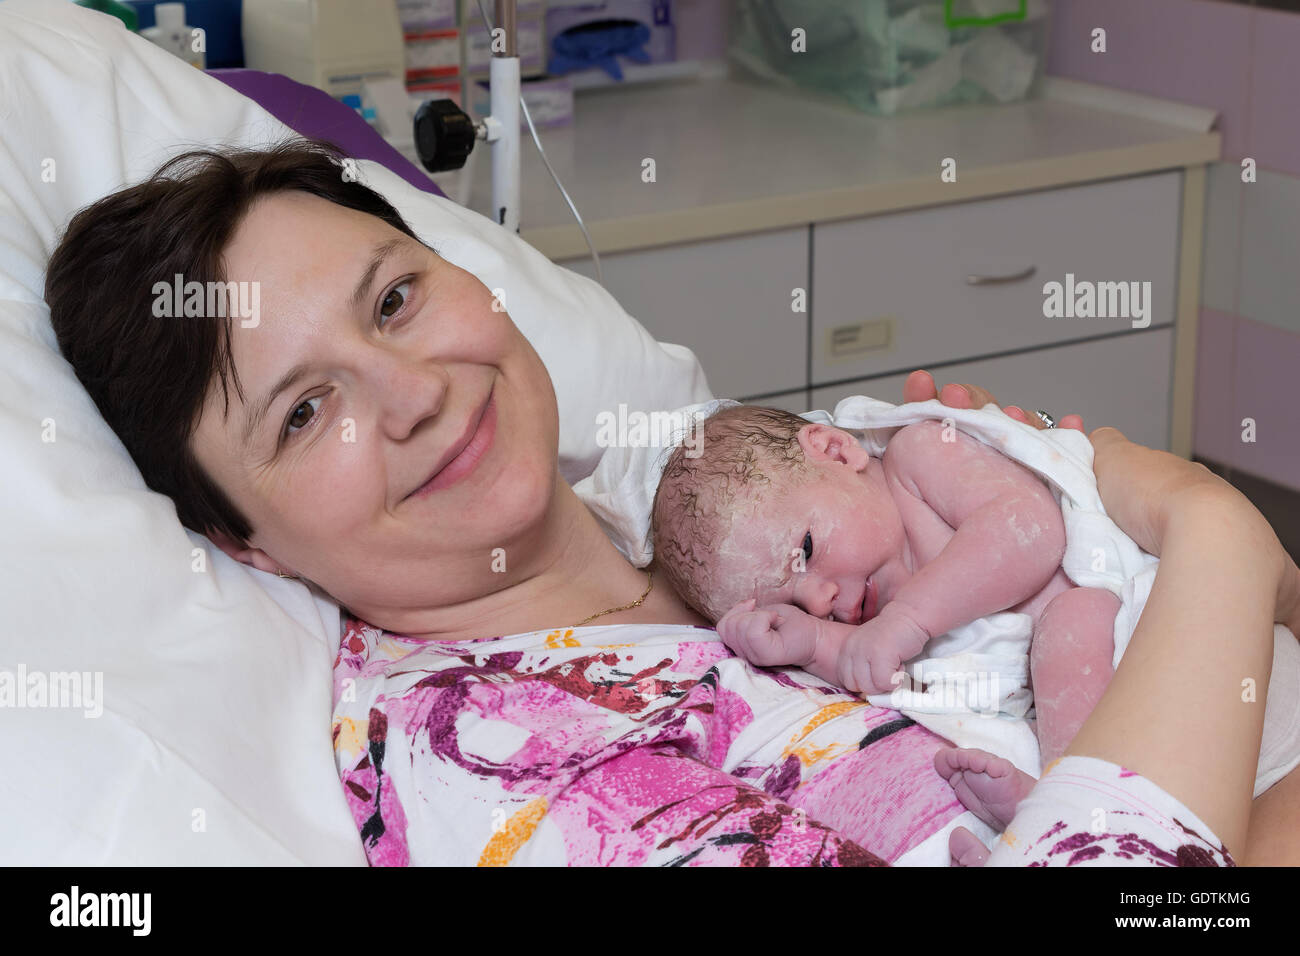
820, 597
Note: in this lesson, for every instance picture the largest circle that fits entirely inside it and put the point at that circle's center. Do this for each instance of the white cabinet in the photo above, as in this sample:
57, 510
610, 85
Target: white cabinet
914, 289
891, 293
1123, 381
728, 300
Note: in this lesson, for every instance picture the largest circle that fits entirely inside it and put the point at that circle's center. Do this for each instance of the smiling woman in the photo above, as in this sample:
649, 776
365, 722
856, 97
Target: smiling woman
384, 416
385, 431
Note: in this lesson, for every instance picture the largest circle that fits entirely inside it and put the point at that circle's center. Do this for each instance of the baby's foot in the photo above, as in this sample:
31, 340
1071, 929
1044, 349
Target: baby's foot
966, 849
988, 786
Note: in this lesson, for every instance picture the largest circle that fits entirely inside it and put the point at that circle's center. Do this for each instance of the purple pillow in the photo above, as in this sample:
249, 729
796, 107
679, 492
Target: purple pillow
315, 113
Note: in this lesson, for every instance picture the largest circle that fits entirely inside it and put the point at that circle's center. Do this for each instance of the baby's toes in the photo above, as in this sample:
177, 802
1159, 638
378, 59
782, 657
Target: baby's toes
947, 761
955, 759
981, 761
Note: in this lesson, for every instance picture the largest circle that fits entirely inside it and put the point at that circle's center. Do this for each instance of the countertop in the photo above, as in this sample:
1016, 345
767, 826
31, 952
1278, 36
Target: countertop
734, 157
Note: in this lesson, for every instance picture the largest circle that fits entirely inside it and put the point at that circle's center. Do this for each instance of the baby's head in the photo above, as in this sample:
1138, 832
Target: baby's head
775, 508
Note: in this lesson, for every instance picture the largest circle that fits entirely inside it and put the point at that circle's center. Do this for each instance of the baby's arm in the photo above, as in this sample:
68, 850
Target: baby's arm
1007, 544
1009, 537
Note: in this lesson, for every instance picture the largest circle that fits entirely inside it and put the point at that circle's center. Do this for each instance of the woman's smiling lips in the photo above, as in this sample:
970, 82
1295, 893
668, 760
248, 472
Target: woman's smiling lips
466, 453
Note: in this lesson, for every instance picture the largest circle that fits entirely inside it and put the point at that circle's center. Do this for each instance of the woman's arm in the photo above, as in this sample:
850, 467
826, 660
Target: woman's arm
1185, 708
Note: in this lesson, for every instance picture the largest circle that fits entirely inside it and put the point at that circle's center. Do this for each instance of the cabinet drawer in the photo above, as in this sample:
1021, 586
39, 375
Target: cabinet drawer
796, 402
727, 300
1122, 381
891, 293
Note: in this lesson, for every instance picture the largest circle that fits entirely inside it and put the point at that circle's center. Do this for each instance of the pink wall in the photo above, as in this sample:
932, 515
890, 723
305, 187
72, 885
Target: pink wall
1241, 61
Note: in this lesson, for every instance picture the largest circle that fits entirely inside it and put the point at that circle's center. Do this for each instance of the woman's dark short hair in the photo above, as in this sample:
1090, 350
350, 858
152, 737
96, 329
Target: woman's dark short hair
149, 375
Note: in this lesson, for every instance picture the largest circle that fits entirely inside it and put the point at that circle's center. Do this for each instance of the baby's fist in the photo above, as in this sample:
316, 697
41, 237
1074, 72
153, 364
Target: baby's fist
873, 654
771, 636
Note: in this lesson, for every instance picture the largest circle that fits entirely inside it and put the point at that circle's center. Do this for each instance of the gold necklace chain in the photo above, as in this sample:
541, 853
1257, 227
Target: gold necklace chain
650, 579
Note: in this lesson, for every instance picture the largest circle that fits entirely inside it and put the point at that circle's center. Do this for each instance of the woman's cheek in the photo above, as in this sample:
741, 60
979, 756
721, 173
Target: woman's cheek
341, 483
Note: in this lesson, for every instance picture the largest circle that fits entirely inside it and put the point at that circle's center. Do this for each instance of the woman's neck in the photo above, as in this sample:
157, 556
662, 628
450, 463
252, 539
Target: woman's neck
573, 573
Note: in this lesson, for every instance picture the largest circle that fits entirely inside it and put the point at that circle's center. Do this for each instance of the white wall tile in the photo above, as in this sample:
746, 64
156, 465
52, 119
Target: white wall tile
1222, 249
1270, 266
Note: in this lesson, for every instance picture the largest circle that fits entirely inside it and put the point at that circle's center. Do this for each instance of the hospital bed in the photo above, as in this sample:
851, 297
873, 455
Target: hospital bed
194, 692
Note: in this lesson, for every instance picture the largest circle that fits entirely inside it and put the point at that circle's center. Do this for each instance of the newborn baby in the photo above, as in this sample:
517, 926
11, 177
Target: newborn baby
808, 551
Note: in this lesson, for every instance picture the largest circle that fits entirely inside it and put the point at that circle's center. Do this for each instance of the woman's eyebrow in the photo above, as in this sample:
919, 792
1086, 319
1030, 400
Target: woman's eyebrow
380, 253
258, 410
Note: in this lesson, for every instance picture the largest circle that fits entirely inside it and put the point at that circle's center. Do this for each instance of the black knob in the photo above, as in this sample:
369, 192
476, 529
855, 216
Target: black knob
444, 135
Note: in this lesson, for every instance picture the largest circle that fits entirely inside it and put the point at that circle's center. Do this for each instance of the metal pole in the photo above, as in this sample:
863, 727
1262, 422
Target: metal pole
503, 79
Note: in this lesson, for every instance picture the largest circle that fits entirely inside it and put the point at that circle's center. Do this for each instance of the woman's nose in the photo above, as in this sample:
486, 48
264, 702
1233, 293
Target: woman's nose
409, 392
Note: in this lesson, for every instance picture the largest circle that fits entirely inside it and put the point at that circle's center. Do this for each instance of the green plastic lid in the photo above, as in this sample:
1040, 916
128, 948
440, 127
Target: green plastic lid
120, 10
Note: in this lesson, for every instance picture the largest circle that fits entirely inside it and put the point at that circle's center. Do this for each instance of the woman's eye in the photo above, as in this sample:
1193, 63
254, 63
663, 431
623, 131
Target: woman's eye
296, 421
807, 546
394, 301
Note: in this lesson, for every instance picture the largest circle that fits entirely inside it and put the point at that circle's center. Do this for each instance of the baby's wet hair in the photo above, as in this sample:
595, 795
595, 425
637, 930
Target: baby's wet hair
740, 448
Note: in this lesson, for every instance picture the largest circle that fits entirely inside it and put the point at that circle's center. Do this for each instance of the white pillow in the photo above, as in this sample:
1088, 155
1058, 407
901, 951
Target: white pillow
213, 744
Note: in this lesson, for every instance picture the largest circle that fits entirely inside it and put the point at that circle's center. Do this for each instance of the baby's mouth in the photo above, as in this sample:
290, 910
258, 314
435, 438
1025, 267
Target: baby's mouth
868, 609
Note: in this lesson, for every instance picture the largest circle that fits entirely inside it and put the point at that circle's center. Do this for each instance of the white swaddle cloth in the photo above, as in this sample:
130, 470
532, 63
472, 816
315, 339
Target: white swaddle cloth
978, 674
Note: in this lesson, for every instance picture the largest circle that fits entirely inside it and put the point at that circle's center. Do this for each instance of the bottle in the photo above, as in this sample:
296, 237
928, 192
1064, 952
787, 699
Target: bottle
174, 35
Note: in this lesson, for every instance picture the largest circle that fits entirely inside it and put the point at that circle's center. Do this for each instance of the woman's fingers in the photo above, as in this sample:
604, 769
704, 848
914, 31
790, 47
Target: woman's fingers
920, 387
966, 396
1020, 415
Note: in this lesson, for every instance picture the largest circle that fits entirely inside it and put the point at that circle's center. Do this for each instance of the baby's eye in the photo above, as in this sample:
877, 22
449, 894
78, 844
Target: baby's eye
807, 546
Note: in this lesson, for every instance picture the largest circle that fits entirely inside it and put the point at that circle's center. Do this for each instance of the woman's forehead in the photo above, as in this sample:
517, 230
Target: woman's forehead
295, 229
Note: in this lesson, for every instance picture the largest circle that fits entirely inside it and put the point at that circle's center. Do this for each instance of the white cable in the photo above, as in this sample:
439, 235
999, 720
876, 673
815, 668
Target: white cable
532, 129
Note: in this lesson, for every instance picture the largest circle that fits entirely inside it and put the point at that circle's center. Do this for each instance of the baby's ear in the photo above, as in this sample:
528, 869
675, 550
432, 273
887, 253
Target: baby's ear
827, 443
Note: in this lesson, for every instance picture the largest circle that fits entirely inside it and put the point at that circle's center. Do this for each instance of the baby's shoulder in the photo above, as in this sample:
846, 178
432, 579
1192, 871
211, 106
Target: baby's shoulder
936, 445
920, 439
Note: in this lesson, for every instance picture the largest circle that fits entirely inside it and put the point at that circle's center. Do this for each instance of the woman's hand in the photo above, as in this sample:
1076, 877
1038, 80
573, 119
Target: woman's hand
1145, 491
920, 387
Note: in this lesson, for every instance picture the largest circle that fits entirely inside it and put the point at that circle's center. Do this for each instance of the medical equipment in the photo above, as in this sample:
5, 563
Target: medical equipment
581, 34
330, 44
445, 134
174, 35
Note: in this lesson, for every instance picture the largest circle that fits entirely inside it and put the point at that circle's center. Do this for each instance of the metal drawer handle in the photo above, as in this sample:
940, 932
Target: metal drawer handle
993, 280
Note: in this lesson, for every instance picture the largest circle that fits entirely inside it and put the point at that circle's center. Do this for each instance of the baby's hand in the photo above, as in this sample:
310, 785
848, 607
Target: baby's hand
876, 650
775, 635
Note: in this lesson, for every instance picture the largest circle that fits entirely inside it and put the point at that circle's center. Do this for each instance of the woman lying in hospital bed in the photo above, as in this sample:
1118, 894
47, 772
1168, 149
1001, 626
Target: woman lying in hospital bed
509, 688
